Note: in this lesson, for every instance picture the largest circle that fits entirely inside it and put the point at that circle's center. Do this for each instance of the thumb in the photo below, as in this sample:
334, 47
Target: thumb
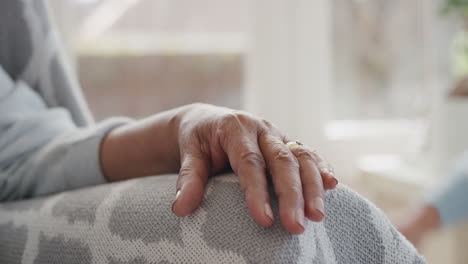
191, 183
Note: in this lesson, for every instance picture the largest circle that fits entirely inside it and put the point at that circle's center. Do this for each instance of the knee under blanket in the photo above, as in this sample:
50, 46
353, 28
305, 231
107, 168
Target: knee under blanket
131, 222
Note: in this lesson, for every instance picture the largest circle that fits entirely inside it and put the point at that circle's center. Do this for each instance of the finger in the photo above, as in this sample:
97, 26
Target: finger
191, 183
326, 170
284, 170
312, 186
247, 162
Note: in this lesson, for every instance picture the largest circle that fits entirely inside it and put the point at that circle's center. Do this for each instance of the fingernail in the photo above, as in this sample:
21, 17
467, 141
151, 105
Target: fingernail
318, 205
300, 217
175, 200
335, 180
269, 212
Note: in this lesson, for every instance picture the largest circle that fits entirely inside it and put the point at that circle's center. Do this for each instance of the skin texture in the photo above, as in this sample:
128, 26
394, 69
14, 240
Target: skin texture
200, 140
416, 222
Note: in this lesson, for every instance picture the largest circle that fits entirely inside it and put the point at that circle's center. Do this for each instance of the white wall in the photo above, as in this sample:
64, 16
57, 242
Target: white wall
288, 67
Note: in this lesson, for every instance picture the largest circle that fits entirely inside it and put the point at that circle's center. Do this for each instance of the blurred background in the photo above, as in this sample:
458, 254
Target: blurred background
377, 86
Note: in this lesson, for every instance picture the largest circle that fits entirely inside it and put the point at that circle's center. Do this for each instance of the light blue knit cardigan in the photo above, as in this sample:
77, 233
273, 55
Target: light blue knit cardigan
48, 141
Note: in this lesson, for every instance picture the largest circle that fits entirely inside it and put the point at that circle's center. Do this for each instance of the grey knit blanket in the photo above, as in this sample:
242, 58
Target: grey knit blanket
131, 222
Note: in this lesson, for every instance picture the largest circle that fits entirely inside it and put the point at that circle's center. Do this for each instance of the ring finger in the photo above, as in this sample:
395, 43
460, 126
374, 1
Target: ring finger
312, 184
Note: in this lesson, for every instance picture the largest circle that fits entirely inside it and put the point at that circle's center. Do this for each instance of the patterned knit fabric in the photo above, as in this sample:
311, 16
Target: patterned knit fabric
131, 222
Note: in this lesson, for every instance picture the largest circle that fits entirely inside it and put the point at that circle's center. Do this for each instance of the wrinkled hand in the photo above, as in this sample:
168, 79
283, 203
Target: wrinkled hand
201, 140
212, 138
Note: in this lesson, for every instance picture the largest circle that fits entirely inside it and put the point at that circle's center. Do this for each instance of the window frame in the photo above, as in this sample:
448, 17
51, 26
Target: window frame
289, 75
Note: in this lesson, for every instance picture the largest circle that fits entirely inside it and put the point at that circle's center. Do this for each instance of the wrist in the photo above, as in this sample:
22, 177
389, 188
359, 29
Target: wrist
142, 148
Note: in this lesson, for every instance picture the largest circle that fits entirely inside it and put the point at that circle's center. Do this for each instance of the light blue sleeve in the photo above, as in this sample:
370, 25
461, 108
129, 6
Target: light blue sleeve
450, 197
41, 149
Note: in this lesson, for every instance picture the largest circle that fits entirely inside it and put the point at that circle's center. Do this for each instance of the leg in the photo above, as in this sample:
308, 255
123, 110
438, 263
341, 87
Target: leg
131, 222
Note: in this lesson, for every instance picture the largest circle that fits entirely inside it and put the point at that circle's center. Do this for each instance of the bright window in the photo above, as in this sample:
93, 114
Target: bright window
139, 57
386, 58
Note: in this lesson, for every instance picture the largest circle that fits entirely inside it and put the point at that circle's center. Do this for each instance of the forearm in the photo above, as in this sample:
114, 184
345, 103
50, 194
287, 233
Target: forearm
42, 150
142, 148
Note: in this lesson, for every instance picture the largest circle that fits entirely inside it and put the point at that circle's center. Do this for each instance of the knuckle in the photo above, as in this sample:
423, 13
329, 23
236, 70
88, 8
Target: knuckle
252, 158
221, 134
323, 164
284, 155
235, 124
242, 116
227, 125
271, 128
231, 117
303, 154
267, 124
312, 151
312, 182
184, 172
244, 188
236, 118
293, 190
229, 121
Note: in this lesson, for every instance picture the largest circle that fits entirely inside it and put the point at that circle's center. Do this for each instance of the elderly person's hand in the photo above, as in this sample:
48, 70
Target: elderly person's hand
201, 140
